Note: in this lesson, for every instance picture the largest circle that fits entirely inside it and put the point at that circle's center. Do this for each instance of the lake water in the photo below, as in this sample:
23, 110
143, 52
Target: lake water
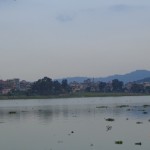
75, 124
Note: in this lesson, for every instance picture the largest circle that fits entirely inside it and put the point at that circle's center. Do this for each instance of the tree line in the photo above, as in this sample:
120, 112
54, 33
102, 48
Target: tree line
46, 86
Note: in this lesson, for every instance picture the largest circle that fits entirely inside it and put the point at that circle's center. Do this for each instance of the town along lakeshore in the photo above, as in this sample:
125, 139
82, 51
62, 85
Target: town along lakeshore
48, 88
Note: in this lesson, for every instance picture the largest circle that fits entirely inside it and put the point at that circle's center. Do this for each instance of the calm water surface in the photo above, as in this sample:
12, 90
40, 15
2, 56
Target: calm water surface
75, 124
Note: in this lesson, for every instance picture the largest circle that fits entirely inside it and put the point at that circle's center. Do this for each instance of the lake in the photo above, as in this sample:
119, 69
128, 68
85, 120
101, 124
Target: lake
109, 123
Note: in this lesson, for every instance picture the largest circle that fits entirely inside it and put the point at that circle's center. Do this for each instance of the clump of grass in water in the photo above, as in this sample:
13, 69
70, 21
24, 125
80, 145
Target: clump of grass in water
110, 119
108, 127
118, 142
122, 106
139, 143
101, 107
139, 122
145, 112
12, 112
146, 106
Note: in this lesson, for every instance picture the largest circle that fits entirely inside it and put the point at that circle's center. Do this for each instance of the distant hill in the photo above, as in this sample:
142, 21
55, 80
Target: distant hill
143, 80
129, 77
72, 79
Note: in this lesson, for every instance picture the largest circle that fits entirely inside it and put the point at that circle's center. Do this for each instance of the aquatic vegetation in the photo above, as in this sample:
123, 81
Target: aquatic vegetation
102, 107
139, 122
108, 128
145, 112
118, 142
12, 112
146, 106
110, 119
72, 131
139, 143
122, 106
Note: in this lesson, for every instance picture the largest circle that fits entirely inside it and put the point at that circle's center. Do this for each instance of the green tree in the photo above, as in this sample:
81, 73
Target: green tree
117, 86
137, 88
57, 88
65, 86
102, 86
147, 89
42, 86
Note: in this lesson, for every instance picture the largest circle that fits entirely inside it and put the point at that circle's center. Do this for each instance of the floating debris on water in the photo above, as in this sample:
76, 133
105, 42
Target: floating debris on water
146, 106
102, 107
91, 145
145, 112
122, 106
72, 131
118, 142
128, 109
110, 119
108, 128
139, 143
139, 122
12, 112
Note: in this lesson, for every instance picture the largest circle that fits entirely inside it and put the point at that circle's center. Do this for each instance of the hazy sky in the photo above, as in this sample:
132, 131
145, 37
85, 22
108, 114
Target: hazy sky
64, 38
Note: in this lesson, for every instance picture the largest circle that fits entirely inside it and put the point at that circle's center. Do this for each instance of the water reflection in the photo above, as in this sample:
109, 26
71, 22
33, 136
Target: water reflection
75, 125
47, 113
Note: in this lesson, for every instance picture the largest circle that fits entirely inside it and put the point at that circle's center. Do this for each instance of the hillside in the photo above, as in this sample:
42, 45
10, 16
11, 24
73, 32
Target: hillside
143, 80
129, 77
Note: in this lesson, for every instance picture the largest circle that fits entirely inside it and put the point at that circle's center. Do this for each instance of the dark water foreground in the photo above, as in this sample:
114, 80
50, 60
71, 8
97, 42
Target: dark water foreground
112, 123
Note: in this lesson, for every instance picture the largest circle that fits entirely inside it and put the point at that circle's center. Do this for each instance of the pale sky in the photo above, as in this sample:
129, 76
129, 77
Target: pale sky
66, 38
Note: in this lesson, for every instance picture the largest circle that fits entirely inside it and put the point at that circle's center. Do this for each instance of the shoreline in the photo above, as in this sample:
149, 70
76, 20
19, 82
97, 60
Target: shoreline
74, 95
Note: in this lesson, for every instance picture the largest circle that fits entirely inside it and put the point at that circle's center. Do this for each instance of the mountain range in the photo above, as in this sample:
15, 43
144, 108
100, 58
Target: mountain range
129, 77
